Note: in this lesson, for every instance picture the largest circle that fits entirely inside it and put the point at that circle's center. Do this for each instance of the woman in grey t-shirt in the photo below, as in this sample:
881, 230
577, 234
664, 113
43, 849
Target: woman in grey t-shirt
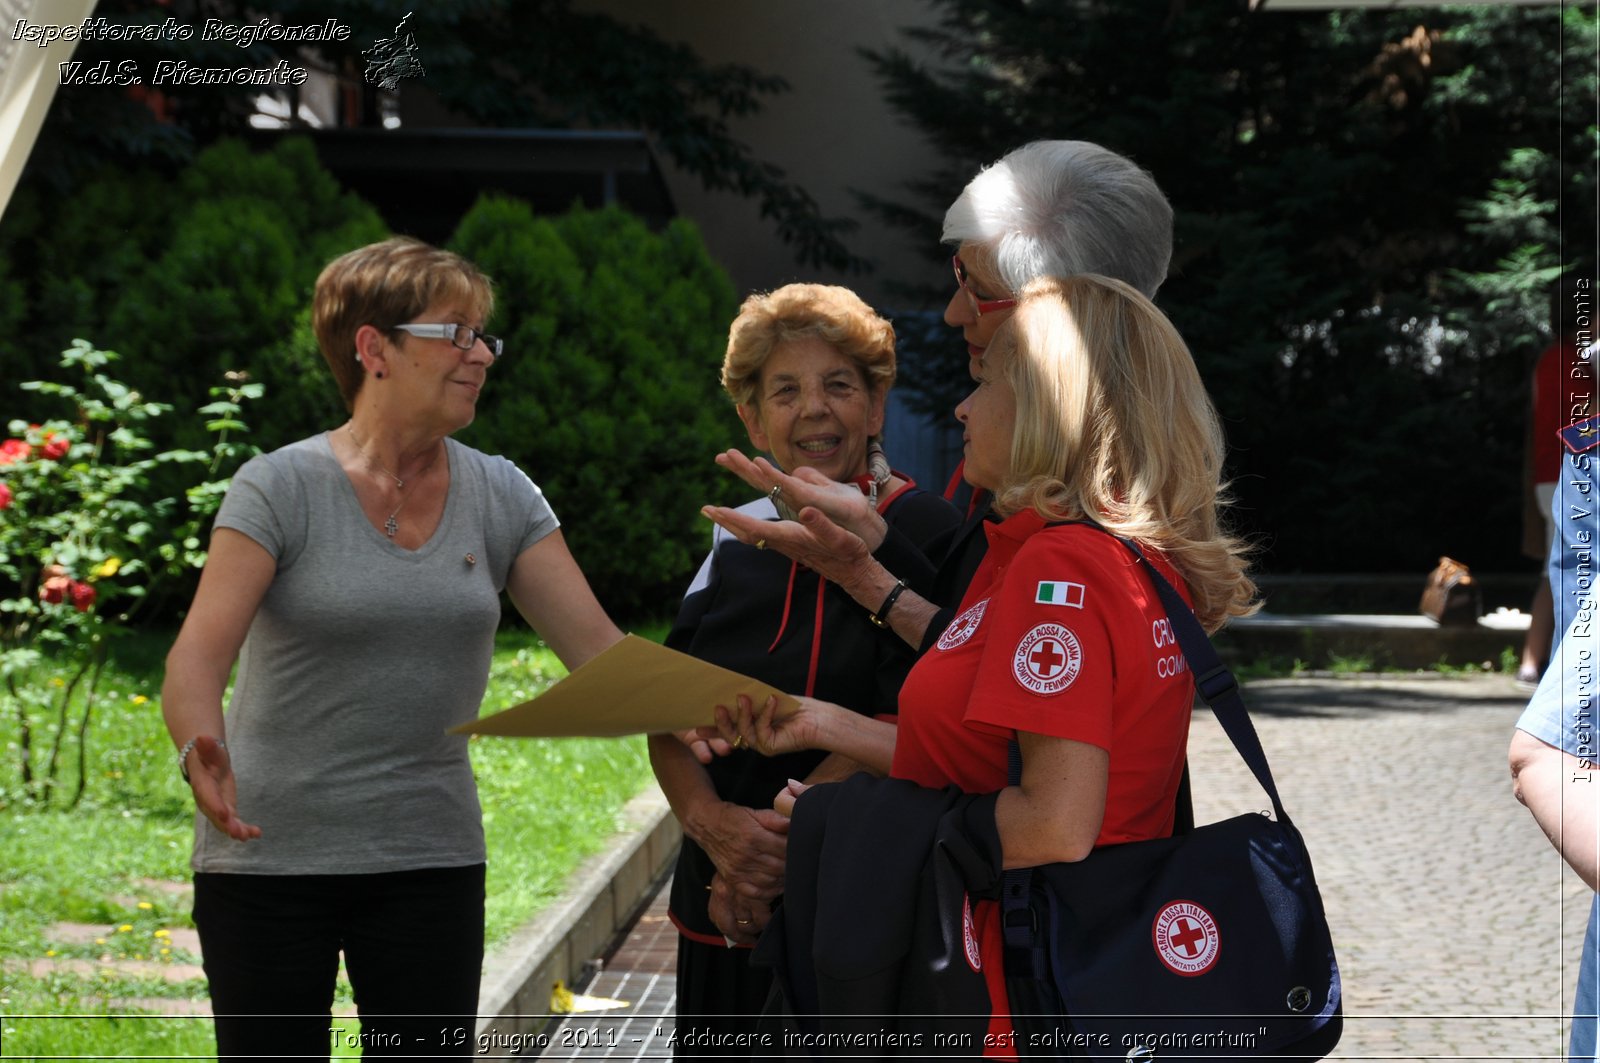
355, 577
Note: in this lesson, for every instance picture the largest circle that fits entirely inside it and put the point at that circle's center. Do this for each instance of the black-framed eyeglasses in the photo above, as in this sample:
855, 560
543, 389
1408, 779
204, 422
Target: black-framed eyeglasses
979, 306
462, 336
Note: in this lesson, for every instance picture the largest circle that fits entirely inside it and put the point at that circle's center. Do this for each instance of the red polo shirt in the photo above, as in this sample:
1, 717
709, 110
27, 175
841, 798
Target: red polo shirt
1059, 634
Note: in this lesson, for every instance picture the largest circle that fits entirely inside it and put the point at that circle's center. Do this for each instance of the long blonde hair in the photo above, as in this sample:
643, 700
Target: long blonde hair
1114, 425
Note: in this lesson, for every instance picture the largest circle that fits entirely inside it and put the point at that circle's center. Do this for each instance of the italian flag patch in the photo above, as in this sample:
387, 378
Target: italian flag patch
1059, 593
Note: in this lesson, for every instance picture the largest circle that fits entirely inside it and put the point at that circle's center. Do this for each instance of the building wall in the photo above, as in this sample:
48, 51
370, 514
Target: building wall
831, 132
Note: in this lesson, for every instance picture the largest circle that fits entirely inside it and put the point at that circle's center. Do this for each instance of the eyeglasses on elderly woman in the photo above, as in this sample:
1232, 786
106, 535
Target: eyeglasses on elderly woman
462, 336
979, 306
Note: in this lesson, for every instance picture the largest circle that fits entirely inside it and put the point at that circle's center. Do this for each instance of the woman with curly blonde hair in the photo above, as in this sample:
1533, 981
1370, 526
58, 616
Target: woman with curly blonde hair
1088, 417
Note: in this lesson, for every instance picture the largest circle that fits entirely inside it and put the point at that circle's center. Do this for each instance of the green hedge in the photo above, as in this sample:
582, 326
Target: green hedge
608, 392
189, 276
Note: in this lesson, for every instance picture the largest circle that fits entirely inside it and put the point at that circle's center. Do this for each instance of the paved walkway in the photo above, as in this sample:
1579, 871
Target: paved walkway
641, 972
1456, 924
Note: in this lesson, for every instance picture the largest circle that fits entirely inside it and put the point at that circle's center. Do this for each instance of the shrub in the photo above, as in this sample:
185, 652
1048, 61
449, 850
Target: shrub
85, 538
196, 275
608, 394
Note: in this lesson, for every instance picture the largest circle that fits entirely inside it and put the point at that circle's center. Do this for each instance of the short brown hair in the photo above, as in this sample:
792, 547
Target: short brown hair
384, 285
833, 314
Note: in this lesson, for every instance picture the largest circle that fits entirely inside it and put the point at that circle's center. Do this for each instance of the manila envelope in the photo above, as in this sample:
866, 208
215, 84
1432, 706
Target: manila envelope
635, 687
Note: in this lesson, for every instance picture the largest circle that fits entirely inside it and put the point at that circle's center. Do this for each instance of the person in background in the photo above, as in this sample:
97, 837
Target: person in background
1563, 391
355, 577
809, 368
1555, 774
1553, 749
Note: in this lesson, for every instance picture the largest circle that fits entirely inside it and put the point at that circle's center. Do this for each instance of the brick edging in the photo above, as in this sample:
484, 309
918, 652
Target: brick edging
602, 894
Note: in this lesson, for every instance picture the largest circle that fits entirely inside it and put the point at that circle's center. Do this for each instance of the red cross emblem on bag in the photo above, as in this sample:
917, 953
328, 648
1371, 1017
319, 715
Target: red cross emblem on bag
1186, 938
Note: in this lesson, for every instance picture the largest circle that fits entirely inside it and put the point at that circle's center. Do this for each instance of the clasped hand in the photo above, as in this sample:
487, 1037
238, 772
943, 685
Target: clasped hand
747, 847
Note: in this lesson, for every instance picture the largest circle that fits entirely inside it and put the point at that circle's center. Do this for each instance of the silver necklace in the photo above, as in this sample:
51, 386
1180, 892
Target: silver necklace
390, 525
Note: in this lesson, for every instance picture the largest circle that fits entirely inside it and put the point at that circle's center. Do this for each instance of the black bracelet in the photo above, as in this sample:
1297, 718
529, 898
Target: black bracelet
881, 617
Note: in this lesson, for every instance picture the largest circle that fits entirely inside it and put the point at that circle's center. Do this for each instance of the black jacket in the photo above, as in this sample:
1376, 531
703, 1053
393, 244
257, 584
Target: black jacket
869, 944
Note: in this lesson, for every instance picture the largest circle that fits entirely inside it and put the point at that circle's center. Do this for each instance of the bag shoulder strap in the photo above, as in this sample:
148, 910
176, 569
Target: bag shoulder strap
1215, 684
1213, 681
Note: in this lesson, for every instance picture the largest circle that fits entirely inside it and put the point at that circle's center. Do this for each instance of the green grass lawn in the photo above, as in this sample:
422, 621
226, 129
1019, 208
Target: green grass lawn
115, 859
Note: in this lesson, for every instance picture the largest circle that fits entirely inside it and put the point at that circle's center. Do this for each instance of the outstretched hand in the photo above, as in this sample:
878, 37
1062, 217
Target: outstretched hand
843, 504
215, 793
838, 554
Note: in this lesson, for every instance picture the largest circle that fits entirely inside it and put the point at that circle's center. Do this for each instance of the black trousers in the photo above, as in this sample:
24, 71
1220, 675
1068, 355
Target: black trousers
412, 944
721, 995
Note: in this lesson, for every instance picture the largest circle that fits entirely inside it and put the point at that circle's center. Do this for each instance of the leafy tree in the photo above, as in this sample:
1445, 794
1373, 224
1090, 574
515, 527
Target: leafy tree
500, 63
607, 393
1363, 212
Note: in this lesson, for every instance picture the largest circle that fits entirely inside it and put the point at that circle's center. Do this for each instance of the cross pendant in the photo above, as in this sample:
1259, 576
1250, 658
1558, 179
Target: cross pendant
390, 526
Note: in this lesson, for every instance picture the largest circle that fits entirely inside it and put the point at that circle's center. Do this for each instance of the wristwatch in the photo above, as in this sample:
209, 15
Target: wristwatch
183, 755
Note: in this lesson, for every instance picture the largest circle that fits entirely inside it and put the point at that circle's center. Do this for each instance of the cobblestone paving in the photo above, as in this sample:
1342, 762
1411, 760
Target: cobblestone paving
1457, 926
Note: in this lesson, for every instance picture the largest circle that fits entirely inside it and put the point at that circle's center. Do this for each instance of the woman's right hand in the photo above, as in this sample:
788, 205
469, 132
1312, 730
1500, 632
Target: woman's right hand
771, 730
783, 804
215, 794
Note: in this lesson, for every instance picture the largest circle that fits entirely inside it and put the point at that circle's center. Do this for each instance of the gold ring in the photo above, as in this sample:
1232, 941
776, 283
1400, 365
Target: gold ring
742, 922
761, 544
738, 741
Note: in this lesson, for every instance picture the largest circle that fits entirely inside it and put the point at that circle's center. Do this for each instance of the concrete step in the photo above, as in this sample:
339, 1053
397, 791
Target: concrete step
1388, 640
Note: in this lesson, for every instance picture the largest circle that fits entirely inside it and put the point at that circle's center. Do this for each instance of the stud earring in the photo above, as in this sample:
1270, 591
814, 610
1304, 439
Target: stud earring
378, 374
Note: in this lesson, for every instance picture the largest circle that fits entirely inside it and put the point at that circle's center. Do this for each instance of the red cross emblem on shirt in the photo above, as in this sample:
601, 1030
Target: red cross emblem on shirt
1047, 659
1187, 936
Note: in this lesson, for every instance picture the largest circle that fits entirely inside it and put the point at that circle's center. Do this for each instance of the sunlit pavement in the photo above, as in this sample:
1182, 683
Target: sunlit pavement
1456, 924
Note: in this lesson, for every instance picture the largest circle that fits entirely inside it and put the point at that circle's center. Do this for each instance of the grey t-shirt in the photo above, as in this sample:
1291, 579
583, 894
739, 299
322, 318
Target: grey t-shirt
360, 656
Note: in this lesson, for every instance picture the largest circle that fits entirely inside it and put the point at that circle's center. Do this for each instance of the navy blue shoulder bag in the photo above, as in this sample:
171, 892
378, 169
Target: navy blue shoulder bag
1206, 945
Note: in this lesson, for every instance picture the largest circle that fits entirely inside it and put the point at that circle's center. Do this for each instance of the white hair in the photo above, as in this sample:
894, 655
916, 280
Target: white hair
1057, 208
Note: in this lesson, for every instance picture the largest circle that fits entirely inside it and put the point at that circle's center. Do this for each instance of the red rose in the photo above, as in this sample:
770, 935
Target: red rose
55, 447
54, 589
13, 451
5, 496
83, 596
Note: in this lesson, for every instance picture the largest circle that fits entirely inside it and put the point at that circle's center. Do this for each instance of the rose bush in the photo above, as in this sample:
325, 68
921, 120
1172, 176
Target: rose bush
89, 527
